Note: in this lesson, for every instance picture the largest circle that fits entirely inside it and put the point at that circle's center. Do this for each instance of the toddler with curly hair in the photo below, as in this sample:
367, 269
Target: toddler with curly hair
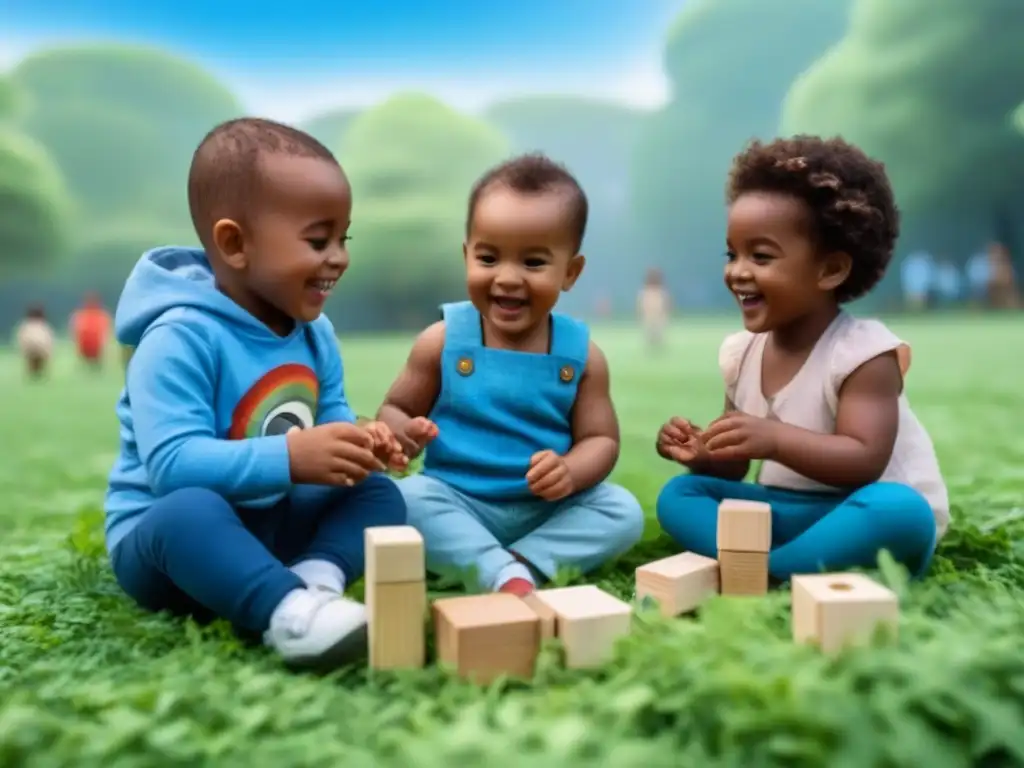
812, 392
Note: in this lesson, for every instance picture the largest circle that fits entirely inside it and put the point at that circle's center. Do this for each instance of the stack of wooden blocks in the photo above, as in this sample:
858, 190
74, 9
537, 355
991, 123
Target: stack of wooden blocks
486, 636
481, 636
829, 610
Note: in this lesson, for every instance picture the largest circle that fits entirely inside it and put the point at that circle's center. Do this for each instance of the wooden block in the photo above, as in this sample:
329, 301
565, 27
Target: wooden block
486, 636
546, 614
837, 609
588, 621
397, 617
743, 573
394, 554
679, 583
744, 526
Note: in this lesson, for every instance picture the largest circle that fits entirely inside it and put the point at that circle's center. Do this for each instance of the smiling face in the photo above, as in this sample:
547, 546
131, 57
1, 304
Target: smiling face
521, 253
773, 268
286, 258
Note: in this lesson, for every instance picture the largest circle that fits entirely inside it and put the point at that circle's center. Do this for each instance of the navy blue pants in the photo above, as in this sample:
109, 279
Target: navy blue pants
195, 554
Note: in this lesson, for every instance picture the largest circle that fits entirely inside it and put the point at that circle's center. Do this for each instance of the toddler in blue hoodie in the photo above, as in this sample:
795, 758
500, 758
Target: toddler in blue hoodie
243, 485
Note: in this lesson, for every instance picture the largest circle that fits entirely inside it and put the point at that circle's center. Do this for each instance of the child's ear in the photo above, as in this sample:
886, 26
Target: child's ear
572, 274
229, 240
835, 268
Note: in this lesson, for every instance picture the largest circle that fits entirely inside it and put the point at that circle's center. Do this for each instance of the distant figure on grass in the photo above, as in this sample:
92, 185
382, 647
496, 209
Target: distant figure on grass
244, 485
90, 328
979, 276
813, 392
34, 338
917, 274
1003, 286
653, 305
514, 400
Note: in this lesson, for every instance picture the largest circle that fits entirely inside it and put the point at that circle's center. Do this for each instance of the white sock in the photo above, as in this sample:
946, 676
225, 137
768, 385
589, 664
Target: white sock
320, 573
513, 571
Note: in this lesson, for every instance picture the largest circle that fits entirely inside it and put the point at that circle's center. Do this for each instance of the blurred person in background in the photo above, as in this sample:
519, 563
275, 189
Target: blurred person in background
1003, 281
948, 284
653, 306
979, 276
90, 328
34, 338
917, 274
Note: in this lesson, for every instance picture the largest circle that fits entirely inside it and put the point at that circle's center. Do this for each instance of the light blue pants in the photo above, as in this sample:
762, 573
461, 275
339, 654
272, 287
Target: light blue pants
466, 534
811, 532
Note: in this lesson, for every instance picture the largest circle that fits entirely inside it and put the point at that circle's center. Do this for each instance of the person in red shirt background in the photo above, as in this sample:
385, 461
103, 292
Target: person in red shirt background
90, 328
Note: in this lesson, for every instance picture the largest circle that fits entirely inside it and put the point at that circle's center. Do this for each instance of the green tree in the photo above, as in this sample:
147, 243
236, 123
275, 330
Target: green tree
930, 88
730, 63
34, 207
8, 98
595, 139
411, 162
122, 123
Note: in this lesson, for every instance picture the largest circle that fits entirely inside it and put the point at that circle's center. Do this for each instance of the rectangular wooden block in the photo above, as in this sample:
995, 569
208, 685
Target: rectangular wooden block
486, 636
394, 554
679, 583
588, 621
743, 573
397, 617
834, 610
744, 526
546, 614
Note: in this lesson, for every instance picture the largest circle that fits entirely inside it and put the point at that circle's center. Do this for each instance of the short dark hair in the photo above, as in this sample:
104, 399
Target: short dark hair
847, 193
225, 166
531, 174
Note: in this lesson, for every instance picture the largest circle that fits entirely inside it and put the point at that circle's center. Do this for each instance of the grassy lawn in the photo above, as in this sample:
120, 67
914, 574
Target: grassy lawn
85, 678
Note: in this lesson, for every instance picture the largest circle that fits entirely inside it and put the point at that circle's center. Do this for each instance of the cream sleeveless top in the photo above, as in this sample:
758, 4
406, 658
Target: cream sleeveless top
810, 400
35, 337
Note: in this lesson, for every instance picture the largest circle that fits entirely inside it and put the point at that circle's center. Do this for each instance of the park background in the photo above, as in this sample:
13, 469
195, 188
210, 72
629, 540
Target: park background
647, 103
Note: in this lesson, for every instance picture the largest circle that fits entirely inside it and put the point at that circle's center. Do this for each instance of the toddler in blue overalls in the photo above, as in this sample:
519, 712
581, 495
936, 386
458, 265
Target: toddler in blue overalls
514, 400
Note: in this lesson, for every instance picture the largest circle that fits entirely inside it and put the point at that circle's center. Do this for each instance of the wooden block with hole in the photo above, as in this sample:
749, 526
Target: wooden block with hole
744, 541
679, 583
486, 636
586, 619
396, 597
833, 610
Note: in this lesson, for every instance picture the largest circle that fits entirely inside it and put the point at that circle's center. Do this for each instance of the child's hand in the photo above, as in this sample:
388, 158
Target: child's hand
548, 476
386, 446
679, 440
331, 454
420, 431
741, 437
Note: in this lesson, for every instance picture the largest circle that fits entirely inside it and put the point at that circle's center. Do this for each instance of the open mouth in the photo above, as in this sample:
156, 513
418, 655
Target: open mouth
324, 287
749, 300
509, 304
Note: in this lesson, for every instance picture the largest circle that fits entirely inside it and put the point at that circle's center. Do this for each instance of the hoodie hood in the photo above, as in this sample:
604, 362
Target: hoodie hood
170, 277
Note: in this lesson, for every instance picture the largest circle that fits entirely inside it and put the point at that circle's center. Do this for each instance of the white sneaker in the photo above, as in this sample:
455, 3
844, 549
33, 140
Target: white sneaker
317, 628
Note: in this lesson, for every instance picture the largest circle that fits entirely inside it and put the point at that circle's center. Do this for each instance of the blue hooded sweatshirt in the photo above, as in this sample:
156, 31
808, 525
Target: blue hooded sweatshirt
210, 391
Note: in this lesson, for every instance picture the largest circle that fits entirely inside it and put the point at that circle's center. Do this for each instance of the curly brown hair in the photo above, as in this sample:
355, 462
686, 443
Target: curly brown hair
848, 195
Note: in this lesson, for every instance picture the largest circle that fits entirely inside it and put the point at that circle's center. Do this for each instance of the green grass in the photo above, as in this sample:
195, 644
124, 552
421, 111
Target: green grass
85, 678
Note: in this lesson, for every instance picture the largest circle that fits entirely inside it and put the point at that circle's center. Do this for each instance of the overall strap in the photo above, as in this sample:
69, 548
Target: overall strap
569, 337
461, 324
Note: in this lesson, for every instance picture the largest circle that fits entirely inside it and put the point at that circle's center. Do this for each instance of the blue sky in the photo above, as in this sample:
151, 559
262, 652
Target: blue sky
290, 64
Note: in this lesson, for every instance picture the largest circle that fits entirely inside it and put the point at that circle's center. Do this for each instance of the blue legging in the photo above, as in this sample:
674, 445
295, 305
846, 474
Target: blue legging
811, 532
194, 553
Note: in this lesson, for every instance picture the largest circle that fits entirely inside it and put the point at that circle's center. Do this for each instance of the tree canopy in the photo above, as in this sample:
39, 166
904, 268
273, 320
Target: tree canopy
934, 101
122, 122
34, 207
411, 162
729, 72
330, 128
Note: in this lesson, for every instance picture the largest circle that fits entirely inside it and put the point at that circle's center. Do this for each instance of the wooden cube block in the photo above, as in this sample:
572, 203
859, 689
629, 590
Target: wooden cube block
394, 554
587, 620
837, 609
743, 573
486, 636
397, 618
678, 583
744, 526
